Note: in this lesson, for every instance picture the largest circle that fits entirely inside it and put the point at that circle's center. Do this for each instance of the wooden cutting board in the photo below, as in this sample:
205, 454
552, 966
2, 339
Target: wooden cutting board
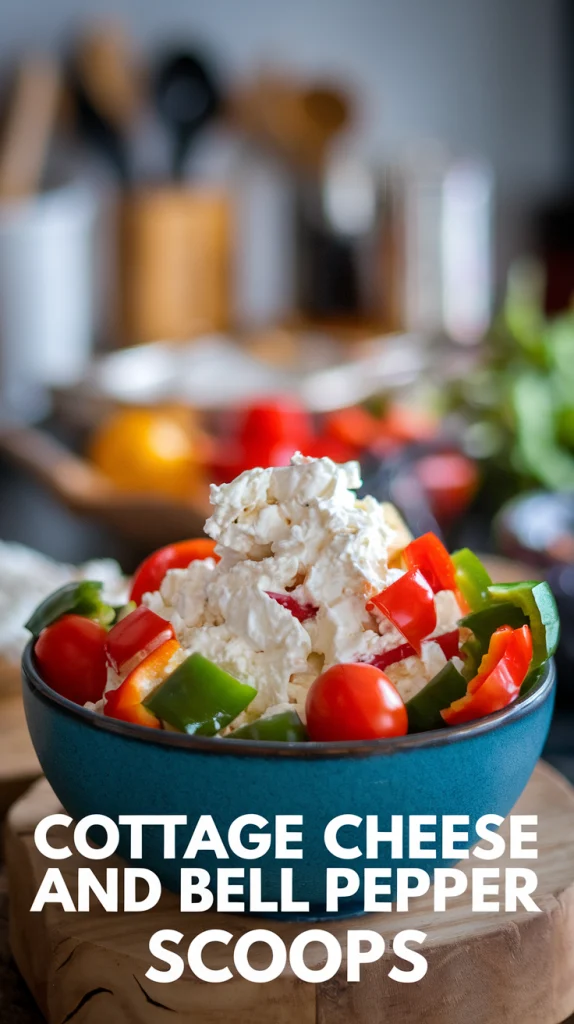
483, 968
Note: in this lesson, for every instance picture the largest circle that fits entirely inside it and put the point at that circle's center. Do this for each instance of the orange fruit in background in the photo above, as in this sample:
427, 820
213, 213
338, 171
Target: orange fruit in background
157, 451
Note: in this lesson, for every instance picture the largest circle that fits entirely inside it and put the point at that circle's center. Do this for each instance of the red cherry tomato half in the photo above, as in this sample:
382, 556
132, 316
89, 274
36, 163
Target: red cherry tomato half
149, 575
354, 702
71, 658
409, 604
136, 636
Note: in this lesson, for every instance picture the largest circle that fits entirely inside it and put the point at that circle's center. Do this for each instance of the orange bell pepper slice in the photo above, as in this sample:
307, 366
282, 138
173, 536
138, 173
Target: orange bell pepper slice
125, 703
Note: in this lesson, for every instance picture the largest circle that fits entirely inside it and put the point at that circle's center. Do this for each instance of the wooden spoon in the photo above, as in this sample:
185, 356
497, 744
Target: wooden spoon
141, 518
106, 85
298, 120
32, 113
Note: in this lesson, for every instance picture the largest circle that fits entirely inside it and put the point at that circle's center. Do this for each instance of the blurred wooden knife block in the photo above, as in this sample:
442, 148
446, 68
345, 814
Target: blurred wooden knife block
174, 263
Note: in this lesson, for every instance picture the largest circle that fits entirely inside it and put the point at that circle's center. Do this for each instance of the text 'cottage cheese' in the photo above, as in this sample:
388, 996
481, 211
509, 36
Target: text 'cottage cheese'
298, 531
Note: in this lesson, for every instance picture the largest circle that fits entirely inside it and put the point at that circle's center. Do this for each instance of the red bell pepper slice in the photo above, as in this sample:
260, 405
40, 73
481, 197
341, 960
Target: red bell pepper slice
448, 643
136, 636
125, 703
496, 648
409, 604
302, 612
429, 554
498, 687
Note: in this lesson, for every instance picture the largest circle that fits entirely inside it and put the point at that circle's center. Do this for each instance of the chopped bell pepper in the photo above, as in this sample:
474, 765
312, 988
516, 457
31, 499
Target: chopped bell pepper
382, 661
471, 653
536, 601
448, 643
409, 604
429, 554
82, 598
124, 610
302, 612
135, 636
485, 622
532, 680
496, 648
126, 703
501, 685
472, 579
199, 698
424, 709
286, 726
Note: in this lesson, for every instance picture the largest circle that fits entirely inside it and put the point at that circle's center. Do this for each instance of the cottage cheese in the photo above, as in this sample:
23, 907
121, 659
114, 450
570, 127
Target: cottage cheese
297, 530
27, 577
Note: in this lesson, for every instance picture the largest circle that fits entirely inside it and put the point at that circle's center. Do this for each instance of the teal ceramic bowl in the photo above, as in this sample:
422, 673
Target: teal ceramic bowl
99, 765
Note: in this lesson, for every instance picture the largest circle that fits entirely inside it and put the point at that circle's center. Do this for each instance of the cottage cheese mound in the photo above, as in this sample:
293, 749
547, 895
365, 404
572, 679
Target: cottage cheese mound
297, 530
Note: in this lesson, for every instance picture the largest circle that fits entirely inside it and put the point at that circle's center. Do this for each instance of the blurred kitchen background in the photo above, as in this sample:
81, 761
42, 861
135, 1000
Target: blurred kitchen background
228, 231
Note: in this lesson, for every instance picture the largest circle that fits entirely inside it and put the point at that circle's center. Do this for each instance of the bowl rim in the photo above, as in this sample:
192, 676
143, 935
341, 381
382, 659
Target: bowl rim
310, 750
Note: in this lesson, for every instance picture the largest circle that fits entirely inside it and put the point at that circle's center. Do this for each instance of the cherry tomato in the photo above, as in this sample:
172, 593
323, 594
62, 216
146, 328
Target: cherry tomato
279, 421
136, 636
149, 575
353, 426
226, 462
354, 702
410, 425
322, 446
409, 604
450, 481
71, 658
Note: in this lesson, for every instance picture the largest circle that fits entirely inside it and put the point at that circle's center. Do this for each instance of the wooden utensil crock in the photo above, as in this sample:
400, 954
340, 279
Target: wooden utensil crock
174, 263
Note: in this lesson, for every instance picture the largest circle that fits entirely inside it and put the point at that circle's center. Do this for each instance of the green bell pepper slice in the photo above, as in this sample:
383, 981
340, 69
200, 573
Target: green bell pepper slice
82, 598
286, 726
424, 708
199, 698
123, 611
536, 602
532, 680
471, 578
472, 651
